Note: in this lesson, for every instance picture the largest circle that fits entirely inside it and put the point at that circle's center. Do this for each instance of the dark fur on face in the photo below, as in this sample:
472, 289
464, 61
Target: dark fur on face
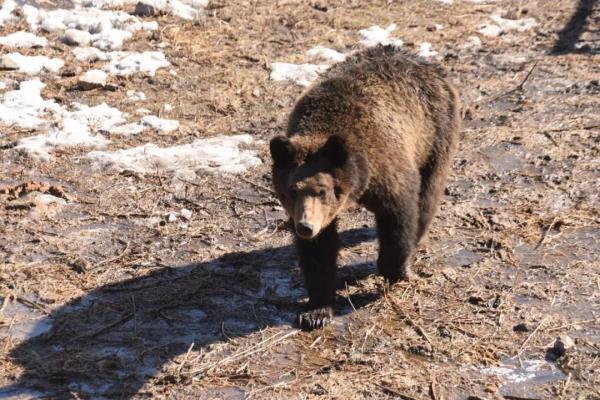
316, 184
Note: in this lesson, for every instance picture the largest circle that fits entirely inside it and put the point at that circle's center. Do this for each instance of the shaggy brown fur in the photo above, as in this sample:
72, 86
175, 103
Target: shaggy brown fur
378, 129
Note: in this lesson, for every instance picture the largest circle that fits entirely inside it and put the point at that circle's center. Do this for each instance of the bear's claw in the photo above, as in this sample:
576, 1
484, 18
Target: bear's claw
315, 319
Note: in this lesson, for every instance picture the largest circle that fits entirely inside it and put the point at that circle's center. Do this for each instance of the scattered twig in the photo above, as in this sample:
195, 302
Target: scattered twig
32, 304
113, 259
263, 345
524, 345
258, 186
185, 358
433, 388
520, 86
517, 88
104, 329
565, 386
545, 233
418, 329
558, 328
394, 392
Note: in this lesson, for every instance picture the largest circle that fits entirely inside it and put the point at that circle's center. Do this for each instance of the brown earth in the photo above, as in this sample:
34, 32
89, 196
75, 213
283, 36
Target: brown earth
140, 307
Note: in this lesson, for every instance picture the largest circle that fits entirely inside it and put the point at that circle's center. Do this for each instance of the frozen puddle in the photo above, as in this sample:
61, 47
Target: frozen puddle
524, 379
20, 322
218, 154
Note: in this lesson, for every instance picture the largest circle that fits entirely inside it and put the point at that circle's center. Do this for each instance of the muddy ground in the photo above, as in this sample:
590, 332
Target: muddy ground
105, 297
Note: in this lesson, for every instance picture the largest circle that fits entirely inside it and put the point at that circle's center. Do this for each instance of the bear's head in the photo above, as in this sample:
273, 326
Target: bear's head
315, 182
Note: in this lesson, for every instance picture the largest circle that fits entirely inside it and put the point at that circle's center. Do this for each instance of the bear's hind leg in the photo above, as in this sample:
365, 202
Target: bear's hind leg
318, 259
397, 226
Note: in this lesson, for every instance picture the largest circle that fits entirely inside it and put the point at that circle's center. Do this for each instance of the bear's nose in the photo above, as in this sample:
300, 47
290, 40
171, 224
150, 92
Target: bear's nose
304, 229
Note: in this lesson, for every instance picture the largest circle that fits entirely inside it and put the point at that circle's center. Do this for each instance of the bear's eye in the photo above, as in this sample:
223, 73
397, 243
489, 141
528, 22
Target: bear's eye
338, 192
322, 193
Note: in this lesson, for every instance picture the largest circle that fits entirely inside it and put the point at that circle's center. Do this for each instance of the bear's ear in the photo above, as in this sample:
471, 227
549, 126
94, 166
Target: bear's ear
282, 150
336, 150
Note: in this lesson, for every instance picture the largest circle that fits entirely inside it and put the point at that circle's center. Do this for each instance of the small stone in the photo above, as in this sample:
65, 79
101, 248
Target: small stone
475, 300
92, 79
70, 72
185, 213
144, 10
444, 332
76, 37
171, 217
522, 327
168, 108
490, 388
563, 344
256, 92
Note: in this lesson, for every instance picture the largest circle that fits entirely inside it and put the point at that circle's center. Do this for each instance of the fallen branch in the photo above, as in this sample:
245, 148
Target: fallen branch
524, 345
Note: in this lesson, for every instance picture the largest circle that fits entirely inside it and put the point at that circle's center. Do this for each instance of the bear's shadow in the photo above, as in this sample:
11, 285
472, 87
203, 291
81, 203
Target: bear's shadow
115, 338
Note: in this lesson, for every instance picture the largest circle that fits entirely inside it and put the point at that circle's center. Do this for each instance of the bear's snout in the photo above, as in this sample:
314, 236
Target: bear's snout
304, 229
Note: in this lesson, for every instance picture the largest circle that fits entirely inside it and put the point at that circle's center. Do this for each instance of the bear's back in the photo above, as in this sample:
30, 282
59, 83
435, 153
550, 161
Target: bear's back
381, 99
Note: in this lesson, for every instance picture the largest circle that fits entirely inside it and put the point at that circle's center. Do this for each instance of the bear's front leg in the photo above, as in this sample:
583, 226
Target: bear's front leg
318, 258
397, 227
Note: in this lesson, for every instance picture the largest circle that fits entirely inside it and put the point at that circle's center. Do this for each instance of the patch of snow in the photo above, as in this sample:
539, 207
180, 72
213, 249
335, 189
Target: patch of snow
185, 214
184, 9
472, 42
446, 1
76, 37
490, 30
503, 25
2, 85
31, 65
89, 54
301, 74
7, 12
81, 127
48, 199
425, 50
93, 78
159, 124
128, 129
110, 39
23, 39
326, 54
22, 107
168, 108
520, 25
108, 29
377, 35
133, 95
128, 63
217, 154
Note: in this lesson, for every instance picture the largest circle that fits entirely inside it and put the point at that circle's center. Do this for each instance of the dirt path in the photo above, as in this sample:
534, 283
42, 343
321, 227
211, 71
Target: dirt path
168, 278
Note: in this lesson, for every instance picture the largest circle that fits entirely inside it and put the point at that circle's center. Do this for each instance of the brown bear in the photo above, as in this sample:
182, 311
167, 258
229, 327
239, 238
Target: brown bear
379, 130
